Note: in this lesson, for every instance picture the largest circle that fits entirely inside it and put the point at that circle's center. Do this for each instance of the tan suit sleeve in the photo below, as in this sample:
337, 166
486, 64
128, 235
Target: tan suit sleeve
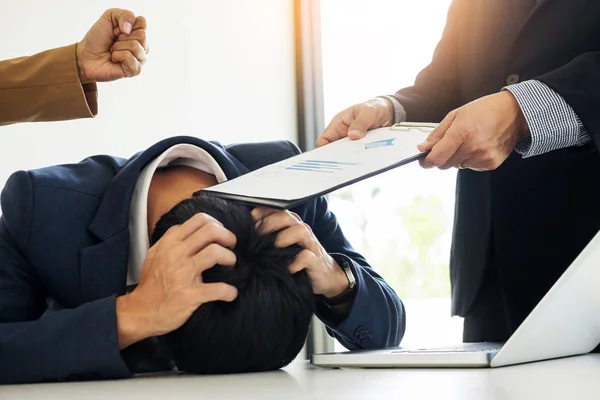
45, 87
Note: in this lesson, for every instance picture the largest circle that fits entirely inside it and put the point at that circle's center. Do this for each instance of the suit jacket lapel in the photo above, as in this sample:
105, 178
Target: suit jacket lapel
113, 214
103, 267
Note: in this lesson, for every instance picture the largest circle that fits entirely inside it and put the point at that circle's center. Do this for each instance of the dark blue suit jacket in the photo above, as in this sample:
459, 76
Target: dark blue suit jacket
64, 242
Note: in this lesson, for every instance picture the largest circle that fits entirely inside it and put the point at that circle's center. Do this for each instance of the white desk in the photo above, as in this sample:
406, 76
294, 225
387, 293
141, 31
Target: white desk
576, 378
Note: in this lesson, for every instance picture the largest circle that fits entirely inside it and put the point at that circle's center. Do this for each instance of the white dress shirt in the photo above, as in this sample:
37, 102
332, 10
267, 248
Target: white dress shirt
139, 242
552, 122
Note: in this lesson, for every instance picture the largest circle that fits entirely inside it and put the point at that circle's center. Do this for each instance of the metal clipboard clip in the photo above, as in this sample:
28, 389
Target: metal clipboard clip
407, 126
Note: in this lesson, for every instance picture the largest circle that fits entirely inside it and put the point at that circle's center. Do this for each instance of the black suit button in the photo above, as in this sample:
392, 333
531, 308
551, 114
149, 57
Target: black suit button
512, 79
362, 334
359, 331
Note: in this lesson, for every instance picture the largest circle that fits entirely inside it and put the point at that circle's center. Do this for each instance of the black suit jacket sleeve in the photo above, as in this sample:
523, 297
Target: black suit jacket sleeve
377, 317
83, 339
578, 82
435, 91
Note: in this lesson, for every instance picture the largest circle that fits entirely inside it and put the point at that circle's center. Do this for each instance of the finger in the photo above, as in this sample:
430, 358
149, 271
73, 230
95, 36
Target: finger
366, 116
139, 35
129, 64
438, 133
140, 23
298, 234
122, 19
304, 260
260, 213
293, 214
207, 234
444, 149
477, 167
133, 46
212, 255
190, 226
337, 128
459, 158
218, 291
295, 267
278, 221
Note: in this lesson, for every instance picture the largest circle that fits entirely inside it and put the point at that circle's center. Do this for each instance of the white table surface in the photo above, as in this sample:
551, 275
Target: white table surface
574, 378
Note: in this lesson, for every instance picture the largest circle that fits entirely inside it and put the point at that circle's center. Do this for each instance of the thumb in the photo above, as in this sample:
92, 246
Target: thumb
365, 117
338, 127
438, 133
122, 20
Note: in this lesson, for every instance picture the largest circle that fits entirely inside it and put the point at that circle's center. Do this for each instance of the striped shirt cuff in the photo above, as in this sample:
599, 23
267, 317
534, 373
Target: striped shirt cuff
399, 112
552, 122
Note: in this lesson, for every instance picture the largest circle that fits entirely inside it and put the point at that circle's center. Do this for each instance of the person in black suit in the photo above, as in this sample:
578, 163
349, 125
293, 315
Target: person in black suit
515, 86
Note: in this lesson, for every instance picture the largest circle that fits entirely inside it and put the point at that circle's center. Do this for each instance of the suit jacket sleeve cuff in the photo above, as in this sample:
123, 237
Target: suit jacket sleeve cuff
552, 122
358, 330
45, 87
106, 360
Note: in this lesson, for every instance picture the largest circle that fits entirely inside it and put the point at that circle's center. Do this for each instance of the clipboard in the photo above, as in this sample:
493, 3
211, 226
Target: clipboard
306, 176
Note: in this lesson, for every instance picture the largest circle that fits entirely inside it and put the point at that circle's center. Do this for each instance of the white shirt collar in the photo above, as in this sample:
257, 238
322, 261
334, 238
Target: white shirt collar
180, 154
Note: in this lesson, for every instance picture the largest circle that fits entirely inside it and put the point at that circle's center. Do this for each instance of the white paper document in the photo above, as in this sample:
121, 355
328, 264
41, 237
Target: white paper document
290, 182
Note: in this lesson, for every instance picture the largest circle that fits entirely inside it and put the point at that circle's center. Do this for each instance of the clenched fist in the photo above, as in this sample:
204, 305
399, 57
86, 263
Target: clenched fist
115, 47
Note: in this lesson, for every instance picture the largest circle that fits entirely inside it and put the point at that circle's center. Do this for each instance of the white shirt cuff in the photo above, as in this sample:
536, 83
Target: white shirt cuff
399, 112
552, 122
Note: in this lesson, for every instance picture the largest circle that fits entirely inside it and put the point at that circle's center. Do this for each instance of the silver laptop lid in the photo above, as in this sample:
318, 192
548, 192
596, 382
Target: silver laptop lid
566, 321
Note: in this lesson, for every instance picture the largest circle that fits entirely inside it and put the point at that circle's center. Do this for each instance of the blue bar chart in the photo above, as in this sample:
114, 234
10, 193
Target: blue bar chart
321, 166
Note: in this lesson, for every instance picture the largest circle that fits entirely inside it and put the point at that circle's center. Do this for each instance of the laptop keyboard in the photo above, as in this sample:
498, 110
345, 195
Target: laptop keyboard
462, 348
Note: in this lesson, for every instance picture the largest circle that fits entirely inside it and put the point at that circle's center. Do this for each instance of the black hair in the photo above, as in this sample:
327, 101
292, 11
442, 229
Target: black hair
266, 326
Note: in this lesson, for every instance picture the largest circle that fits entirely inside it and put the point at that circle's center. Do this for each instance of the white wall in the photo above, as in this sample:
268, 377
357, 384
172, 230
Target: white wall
221, 70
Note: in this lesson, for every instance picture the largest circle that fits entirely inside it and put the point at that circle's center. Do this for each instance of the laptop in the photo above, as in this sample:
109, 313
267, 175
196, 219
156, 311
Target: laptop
566, 322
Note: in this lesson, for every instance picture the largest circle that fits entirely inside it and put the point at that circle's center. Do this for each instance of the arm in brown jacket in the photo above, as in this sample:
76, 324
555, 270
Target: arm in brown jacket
45, 87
